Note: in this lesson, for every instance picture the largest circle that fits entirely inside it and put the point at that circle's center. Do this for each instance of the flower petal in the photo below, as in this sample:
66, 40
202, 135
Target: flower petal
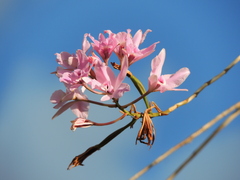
178, 78
152, 82
157, 63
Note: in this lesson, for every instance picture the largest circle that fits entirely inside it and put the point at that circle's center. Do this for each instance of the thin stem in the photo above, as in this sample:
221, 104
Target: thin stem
136, 100
108, 123
195, 94
97, 103
187, 140
139, 87
223, 125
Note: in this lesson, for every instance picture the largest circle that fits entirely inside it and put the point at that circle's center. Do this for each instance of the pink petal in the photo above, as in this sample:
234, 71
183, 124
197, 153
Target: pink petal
174, 80
80, 109
63, 108
66, 60
152, 82
137, 38
124, 87
145, 34
178, 78
123, 72
85, 45
105, 98
57, 96
157, 63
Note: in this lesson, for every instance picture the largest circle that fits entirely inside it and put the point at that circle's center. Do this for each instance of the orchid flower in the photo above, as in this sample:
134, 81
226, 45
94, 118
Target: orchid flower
79, 108
168, 82
129, 45
107, 82
75, 71
104, 46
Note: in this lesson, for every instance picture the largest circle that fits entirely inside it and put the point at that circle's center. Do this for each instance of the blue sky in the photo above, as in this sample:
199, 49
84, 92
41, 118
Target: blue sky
203, 36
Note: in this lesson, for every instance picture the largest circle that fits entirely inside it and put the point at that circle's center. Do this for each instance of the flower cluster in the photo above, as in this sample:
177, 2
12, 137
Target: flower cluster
89, 69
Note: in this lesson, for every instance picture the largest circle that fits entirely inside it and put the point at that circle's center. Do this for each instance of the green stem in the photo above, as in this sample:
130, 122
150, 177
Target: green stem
140, 88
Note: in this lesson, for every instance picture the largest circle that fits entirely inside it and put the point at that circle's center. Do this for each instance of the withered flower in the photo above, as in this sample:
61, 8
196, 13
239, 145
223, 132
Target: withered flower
147, 130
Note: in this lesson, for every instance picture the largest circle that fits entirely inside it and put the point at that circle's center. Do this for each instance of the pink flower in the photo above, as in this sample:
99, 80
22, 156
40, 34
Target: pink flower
73, 74
168, 82
129, 45
104, 46
79, 108
107, 82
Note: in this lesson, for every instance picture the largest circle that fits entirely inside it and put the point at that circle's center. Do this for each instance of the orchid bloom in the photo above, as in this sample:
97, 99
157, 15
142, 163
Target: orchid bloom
107, 82
168, 82
79, 108
77, 67
104, 46
129, 45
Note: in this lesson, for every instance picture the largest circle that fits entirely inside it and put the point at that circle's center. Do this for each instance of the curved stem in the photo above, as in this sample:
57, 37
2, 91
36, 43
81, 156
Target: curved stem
98, 103
136, 100
110, 122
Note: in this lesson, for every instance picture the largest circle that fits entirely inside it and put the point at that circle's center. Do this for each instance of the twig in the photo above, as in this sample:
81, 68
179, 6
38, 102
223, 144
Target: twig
223, 125
186, 141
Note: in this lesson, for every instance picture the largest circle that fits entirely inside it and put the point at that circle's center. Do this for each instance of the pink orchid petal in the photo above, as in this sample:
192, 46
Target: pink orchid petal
178, 78
145, 34
92, 82
80, 109
105, 98
123, 72
66, 60
152, 82
124, 87
85, 45
137, 38
157, 63
63, 108
57, 96
82, 60
174, 80
104, 73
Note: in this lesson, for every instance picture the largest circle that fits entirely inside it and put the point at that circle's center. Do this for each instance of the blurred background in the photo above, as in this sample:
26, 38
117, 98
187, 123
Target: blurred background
203, 36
